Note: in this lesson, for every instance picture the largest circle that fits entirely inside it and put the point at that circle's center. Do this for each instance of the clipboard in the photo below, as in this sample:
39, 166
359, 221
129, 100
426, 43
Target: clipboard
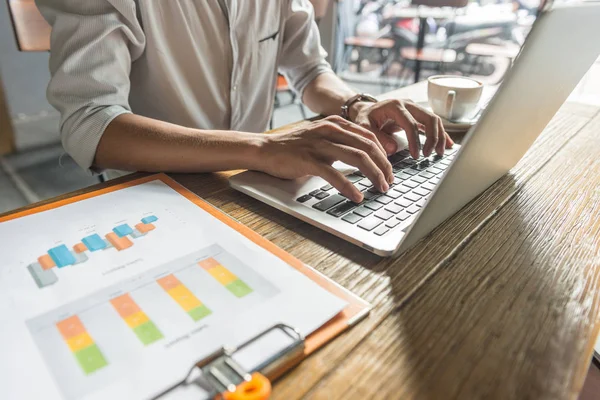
300, 348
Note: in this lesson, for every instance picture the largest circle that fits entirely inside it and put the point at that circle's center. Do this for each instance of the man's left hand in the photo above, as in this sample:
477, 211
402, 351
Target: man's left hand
389, 116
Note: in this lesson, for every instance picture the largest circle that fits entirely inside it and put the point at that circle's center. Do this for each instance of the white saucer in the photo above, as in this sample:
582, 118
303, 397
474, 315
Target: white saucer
459, 126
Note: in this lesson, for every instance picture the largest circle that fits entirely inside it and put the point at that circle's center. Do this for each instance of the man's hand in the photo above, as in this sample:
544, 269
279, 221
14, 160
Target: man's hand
313, 148
390, 116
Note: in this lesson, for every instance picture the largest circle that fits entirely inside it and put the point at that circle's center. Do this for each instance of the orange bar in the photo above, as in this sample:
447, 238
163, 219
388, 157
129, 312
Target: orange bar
169, 282
46, 262
144, 228
70, 327
125, 305
80, 248
120, 243
209, 263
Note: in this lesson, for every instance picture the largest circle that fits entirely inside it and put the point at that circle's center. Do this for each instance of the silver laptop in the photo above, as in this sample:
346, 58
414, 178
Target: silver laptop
559, 50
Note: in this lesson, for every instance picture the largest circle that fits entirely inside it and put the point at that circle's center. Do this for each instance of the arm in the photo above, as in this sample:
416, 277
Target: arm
303, 63
90, 88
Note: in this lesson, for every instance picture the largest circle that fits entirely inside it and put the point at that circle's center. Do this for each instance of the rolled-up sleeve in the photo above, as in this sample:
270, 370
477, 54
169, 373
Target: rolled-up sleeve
93, 44
302, 57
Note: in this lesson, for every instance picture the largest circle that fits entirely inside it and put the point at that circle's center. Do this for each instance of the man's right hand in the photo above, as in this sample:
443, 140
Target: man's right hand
312, 149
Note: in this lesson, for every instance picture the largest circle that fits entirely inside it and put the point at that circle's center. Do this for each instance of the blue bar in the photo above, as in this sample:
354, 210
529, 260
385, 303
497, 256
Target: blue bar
123, 230
62, 256
94, 242
150, 219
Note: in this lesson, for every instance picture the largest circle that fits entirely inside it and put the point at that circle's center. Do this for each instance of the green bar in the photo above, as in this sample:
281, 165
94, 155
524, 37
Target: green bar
90, 359
239, 288
199, 312
148, 333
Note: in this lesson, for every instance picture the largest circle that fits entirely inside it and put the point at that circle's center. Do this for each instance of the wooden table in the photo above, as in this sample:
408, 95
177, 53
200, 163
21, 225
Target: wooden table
500, 302
31, 29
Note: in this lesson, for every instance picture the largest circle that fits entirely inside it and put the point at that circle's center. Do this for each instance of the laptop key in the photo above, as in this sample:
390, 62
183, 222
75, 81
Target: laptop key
404, 202
411, 184
329, 202
367, 184
426, 175
435, 170
421, 202
394, 208
411, 171
368, 195
421, 191
327, 187
384, 199
428, 185
315, 192
419, 178
412, 196
393, 194
373, 205
353, 178
382, 230
402, 189
321, 195
413, 209
357, 172
392, 223
403, 176
370, 223
363, 211
342, 209
403, 216
351, 218
384, 215
304, 198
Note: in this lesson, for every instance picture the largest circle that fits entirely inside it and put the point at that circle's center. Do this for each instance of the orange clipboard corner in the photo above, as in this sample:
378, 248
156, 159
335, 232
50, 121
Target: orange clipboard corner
356, 310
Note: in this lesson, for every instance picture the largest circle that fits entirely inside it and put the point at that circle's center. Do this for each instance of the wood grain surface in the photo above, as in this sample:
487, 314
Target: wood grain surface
500, 301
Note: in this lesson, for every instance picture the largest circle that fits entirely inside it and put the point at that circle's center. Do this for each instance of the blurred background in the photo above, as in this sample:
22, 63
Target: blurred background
374, 45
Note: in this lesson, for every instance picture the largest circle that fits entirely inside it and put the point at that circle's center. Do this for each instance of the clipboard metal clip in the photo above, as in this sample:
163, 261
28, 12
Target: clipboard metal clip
228, 380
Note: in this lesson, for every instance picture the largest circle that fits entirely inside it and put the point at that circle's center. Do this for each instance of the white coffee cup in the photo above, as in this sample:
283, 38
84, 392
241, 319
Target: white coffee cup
454, 97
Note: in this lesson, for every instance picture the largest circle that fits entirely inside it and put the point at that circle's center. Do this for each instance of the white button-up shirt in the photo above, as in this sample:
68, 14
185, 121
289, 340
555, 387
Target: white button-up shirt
207, 64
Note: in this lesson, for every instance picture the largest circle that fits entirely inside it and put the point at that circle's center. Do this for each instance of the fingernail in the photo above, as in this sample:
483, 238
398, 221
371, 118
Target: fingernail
385, 186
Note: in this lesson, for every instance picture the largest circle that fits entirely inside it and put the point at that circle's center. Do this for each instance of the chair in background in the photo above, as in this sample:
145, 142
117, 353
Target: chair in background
412, 58
282, 87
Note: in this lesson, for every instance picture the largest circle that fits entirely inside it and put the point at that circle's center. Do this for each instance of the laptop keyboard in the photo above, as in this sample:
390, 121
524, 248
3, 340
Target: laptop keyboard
378, 213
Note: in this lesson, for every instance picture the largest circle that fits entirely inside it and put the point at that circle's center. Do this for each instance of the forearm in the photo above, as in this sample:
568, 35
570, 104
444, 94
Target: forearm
135, 143
326, 95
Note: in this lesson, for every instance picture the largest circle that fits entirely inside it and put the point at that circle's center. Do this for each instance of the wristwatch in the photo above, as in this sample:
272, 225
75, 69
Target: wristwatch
355, 99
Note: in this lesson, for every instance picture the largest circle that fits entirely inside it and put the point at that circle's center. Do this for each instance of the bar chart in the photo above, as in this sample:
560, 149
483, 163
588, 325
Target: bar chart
120, 238
93, 340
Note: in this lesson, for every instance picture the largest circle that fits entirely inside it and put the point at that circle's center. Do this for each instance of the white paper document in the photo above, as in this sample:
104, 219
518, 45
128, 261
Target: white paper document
116, 296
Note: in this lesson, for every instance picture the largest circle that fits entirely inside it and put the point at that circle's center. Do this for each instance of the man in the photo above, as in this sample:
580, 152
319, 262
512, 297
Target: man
185, 85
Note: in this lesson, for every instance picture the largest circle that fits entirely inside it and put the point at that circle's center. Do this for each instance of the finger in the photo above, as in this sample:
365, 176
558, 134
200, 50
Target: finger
355, 128
338, 181
406, 121
432, 127
374, 151
449, 141
357, 158
385, 136
441, 144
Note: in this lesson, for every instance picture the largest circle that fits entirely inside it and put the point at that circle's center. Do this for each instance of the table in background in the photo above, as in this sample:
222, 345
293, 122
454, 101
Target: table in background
500, 301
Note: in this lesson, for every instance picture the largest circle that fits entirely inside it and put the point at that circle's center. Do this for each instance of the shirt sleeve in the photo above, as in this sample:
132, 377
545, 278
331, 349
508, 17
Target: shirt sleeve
93, 44
303, 57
